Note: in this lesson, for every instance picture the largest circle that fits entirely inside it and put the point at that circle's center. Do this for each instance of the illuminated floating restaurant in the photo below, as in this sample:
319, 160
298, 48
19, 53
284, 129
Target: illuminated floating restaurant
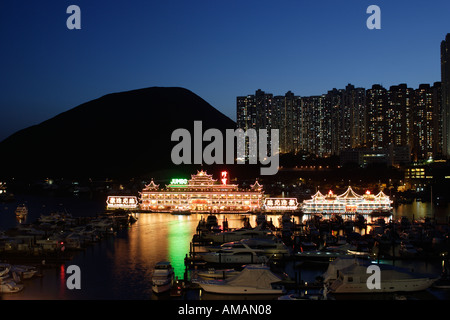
348, 203
201, 193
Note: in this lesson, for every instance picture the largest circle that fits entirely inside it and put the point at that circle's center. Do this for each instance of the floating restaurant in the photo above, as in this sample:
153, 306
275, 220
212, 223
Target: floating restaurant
201, 193
347, 203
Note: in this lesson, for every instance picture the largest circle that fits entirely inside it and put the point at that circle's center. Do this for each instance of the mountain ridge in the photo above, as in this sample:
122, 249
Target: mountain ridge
118, 134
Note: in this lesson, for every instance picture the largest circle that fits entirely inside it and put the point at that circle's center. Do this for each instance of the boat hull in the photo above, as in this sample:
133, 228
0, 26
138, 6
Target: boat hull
211, 257
385, 287
224, 289
10, 287
161, 288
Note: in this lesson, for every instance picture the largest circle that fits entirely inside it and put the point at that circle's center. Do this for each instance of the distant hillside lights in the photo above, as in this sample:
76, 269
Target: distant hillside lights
213, 152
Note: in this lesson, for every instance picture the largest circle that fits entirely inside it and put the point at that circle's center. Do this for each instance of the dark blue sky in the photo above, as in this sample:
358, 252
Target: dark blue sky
219, 49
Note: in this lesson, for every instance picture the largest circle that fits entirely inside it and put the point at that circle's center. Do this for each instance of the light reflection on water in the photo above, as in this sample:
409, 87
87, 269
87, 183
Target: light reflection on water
418, 210
120, 266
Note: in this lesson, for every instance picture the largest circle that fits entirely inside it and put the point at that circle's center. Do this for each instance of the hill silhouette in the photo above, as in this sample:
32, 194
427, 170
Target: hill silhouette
125, 134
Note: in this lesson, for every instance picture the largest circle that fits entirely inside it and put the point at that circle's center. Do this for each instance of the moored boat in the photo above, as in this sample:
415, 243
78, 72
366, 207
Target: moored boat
238, 234
267, 246
354, 279
162, 277
234, 256
253, 279
10, 286
217, 273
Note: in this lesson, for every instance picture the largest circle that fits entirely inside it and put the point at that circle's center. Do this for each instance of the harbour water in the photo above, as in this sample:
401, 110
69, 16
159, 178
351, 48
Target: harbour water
119, 267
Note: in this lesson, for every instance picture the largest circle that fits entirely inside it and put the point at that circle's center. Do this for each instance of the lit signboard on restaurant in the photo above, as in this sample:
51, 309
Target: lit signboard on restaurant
122, 202
281, 204
179, 181
224, 175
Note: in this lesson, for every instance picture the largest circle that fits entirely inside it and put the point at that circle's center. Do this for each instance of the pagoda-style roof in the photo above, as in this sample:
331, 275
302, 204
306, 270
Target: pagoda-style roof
318, 195
256, 186
201, 178
381, 195
350, 194
151, 186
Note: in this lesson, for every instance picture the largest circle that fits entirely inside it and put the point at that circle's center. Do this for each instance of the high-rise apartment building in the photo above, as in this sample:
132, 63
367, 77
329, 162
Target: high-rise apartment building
285, 118
400, 116
315, 126
427, 142
377, 114
445, 87
377, 119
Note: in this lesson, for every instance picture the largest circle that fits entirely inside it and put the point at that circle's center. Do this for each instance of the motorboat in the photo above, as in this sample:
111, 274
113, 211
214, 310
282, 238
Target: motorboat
354, 279
253, 279
239, 234
10, 286
213, 273
18, 271
234, 256
102, 225
7, 283
331, 253
73, 241
332, 272
267, 246
162, 277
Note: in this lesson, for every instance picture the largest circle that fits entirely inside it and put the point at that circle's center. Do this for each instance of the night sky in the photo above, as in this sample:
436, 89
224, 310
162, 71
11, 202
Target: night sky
217, 49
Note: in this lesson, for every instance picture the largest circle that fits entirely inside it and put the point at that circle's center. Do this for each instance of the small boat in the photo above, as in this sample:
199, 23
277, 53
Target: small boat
253, 279
265, 246
163, 277
25, 272
10, 286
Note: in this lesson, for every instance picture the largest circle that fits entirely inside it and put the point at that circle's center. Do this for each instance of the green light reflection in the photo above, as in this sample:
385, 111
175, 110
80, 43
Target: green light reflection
179, 239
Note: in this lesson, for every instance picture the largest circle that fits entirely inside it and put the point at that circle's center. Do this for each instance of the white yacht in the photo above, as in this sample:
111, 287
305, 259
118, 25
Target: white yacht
331, 253
332, 272
253, 279
268, 246
163, 277
353, 279
212, 273
241, 255
239, 234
